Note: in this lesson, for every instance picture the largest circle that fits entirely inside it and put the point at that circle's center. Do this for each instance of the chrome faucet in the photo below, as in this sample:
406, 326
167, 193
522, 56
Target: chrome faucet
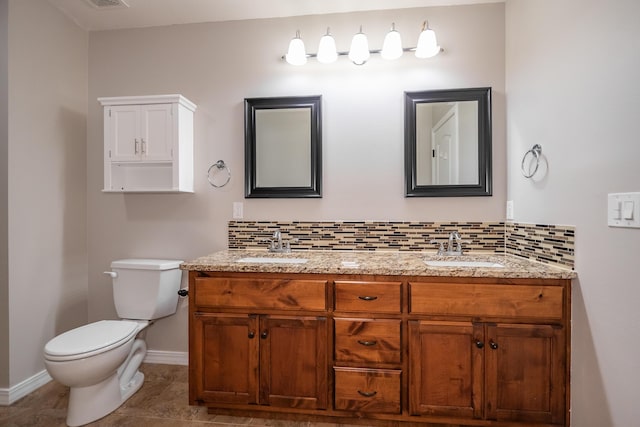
277, 240
458, 250
454, 236
277, 245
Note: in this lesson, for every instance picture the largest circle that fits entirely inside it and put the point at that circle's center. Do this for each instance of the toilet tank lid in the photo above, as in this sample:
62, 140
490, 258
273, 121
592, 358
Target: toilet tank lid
147, 264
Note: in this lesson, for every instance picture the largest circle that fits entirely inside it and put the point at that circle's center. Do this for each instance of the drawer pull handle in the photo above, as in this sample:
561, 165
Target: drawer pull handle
493, 345
367, 393
367, 343
367, 298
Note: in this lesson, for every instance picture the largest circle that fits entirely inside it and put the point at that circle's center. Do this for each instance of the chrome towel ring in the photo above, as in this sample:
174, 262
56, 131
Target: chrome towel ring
219, 165
533, 163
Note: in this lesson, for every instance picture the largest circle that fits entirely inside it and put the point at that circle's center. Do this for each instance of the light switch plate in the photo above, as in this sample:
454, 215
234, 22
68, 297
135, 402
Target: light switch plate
510, 210
623, 210
238, 210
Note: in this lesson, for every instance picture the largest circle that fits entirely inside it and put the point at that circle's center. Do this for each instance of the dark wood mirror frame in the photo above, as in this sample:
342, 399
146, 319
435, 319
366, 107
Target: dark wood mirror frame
252, 188
483, 186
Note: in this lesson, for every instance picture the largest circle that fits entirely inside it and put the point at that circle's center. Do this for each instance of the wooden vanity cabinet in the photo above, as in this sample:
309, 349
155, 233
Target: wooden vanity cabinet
368, 346
503, 356
381, 350
244, 352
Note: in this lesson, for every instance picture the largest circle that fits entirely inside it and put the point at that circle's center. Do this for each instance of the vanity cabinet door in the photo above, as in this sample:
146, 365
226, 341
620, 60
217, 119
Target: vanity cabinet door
445, 368
224, 358
525, 373
293, 362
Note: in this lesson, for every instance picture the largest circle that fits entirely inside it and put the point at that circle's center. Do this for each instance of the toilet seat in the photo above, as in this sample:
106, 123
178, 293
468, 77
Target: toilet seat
91, 339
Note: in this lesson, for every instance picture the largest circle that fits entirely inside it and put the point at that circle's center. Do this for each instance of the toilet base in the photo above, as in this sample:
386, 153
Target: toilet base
87, 404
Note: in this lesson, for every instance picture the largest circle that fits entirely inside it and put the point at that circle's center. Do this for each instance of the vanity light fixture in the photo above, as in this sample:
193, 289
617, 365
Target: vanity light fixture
427, 43
359, 53
392, 45
296, 55
327, 52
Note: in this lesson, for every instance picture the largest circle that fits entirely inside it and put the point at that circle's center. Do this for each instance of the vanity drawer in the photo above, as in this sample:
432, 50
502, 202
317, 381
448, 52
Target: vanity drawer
281, 294
367, 340
487, 300
367, 390
368, 297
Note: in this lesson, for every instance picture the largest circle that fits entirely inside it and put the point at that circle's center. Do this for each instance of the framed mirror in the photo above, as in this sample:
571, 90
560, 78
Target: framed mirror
283, 147
447, 144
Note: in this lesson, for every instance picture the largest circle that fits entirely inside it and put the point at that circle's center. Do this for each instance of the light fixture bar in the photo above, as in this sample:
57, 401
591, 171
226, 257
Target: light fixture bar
359, 52
372, 51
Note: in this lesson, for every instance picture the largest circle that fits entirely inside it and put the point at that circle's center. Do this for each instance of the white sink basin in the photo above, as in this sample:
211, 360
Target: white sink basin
457, 263
268, 260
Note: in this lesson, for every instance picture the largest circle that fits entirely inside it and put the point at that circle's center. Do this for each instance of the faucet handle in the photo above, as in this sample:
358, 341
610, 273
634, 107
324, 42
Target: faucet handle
440, 247
287, 244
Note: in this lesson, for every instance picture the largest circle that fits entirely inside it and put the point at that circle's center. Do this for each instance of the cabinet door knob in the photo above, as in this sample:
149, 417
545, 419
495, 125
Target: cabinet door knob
367, 343
479, 344
264, 335
252, 334
368, 298
367, 393
493, 345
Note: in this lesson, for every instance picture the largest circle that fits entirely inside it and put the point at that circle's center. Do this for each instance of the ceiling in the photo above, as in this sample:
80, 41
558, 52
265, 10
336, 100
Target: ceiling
149, 13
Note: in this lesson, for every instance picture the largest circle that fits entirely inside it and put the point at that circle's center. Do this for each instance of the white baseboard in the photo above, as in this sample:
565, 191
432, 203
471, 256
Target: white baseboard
167, 357
20, 390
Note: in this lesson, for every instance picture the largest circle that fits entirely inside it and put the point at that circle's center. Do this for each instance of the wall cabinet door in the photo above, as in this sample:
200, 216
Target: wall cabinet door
259, 359
122, 125
445, 369
140, 132
525, 373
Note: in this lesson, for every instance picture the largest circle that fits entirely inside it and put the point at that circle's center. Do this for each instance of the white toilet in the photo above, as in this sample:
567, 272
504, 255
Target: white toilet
100, 361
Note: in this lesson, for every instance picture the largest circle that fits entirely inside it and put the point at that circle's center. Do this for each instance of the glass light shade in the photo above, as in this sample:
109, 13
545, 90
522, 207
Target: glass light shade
296, 55
427, 44
392, 45
327, 52
359, 52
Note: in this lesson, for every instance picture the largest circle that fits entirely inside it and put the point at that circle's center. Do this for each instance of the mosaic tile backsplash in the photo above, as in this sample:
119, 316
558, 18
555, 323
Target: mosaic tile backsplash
551, 244
545, 243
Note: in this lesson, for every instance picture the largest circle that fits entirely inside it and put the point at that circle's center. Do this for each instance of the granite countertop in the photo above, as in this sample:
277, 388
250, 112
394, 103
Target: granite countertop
390, 263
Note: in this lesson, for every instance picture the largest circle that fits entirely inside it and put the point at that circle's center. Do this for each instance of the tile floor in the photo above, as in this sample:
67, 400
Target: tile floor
161, 402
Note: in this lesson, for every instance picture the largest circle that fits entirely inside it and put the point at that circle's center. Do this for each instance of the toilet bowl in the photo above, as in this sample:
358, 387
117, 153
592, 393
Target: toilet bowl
88, 359
100, 361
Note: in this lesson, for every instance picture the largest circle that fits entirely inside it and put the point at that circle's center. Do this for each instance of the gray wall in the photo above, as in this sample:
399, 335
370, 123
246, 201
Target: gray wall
46, 201
217, 65
572, 86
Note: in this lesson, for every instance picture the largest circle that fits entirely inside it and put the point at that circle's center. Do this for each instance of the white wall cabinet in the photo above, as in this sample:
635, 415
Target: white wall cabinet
148, 143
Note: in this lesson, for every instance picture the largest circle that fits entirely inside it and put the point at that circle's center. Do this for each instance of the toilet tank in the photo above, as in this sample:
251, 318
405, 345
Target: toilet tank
146, 289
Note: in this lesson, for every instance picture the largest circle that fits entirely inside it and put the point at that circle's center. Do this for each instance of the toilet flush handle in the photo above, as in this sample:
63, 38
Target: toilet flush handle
113, 274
